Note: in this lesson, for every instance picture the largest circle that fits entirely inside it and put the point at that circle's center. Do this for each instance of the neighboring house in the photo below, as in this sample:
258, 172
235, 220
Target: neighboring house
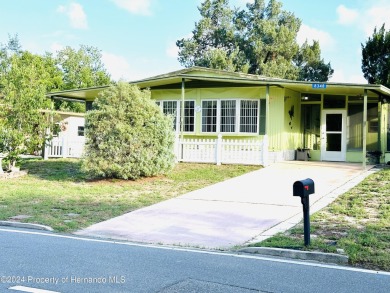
68, 137
336, 121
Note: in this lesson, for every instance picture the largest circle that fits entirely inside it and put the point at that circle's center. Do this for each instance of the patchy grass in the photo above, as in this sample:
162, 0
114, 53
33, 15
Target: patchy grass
58, 194
358, 223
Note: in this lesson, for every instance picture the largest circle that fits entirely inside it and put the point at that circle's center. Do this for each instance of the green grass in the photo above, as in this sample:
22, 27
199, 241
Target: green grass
358, 223
58, 194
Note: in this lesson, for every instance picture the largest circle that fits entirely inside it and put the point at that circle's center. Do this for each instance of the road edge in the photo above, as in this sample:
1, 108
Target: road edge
25, 225
296, 254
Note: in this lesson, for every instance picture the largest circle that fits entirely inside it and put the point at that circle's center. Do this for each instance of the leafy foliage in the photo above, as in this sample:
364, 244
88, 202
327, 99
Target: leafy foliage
25, 78
128, 136
376, 57
311, 66
258, 40
80, 68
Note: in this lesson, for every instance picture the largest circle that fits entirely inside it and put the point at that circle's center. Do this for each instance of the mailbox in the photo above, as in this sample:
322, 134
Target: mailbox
303, 187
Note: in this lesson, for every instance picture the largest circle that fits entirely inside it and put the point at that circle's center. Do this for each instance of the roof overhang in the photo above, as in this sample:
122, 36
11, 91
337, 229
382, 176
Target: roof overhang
198, 77
78, 95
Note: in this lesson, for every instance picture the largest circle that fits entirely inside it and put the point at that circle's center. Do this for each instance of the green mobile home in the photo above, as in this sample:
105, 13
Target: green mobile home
335, 121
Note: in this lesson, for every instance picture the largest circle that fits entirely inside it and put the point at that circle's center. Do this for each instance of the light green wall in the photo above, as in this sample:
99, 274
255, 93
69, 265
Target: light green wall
276, 119
354, 157
292, 125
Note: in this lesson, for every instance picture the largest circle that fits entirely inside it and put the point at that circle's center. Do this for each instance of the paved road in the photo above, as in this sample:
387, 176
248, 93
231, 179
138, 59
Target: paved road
61, 263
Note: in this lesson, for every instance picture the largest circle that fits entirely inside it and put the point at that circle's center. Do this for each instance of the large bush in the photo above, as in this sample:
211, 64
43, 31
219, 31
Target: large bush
127, 136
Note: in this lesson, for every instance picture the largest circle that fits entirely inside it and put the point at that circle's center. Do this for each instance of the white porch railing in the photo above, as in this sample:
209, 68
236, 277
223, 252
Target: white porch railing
216, 151
63, 147
222, 151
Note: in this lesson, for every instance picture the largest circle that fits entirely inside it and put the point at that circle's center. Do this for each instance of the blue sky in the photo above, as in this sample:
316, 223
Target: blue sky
137, 37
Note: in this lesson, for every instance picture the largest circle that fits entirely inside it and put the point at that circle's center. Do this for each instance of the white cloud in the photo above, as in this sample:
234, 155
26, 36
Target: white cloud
376, 16
327, 42
117, 66
135, 6
340, 76
172, 50
76, 15
347, 16
55, 47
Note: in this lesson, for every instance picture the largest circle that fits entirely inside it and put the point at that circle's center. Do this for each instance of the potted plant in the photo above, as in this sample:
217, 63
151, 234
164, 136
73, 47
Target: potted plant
373, 157
303, 154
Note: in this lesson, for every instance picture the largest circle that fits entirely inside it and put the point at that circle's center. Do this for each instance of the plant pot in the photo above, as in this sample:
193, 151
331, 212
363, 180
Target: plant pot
303, 155
15, 169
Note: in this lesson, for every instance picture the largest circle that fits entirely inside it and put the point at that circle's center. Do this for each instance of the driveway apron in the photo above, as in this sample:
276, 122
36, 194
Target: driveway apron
232, 212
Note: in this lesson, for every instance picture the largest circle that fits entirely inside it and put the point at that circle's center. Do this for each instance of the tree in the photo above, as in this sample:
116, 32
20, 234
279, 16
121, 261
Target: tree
80, 68
260, 39
268, 38
25, 79
311, 66
128, 136
376, 57
213, 43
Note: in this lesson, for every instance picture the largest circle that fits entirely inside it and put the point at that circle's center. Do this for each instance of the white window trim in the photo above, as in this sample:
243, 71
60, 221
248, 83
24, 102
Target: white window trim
183, 117
178, 113
238, 116
217, 127
258, 115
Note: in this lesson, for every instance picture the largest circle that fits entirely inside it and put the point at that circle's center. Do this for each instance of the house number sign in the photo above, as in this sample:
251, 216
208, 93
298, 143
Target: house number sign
318, 85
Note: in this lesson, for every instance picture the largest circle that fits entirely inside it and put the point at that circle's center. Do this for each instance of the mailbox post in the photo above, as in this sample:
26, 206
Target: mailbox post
303, 188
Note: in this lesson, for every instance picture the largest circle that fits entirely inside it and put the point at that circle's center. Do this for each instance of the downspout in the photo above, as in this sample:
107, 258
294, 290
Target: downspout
364, 129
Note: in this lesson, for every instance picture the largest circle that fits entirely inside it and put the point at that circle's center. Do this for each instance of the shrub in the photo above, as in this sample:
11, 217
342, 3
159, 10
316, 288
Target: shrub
127, 135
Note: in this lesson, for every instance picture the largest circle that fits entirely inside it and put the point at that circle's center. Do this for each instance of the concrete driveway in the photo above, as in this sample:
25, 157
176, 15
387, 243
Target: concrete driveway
248, 208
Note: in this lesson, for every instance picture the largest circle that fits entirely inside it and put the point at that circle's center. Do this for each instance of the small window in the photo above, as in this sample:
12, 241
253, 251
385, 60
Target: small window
80, 131
360, 99
170, 108
173, 108
228, 116
56, 129
248, 116
305, 97
189, 116
209, 116
334, 102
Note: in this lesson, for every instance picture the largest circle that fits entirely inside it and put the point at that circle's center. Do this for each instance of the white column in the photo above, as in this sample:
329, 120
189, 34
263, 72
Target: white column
219, 150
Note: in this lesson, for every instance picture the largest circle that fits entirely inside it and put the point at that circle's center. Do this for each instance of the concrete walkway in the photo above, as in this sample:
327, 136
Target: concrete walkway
248, 208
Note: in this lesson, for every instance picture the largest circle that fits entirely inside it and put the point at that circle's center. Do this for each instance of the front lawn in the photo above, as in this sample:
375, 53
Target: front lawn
58, 194
358, 223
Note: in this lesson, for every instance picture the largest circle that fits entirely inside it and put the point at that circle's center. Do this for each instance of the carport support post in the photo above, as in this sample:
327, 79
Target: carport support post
306, 219
364, 128
183, 89
265, 146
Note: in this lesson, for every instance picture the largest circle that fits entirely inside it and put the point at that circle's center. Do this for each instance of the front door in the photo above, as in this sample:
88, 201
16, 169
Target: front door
333, 142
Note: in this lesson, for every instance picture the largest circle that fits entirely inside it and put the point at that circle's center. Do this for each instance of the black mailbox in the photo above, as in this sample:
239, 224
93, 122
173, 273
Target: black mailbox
303, 187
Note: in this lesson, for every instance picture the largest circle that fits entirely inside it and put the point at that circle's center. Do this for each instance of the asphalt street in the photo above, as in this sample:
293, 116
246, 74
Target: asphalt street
44, 262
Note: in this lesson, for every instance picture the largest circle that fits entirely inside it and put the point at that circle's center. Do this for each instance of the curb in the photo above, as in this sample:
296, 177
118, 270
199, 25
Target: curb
25, 225
296, 254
